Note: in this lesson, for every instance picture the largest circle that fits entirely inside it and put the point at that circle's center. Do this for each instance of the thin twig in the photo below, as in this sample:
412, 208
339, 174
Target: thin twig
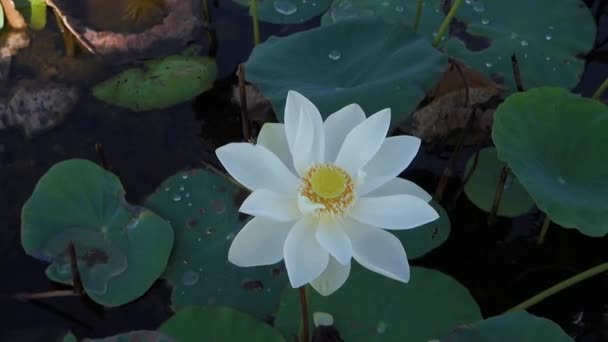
598, 93
543, 230
243, 100
504, 173
255, 21
101, 153
517, 73
44, 295
304, 334
76, 283
447, 172
467, 178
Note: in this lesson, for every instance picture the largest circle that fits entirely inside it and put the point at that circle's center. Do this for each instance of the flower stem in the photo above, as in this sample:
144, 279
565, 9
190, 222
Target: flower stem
561, 286
256, 22
418, 15
543, 230
304, 333
446, 22
600, 90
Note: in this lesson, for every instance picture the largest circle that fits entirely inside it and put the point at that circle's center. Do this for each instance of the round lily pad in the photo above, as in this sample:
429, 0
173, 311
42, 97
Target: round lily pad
287, 11
548, 45
516, 326
370, 307
199, 323
421, 240
395, 69
160, 83
555, 143
203, 210
481, 187
120, 249
393, 11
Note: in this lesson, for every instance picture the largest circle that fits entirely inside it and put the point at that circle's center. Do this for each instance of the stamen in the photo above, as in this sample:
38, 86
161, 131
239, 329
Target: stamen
329, 186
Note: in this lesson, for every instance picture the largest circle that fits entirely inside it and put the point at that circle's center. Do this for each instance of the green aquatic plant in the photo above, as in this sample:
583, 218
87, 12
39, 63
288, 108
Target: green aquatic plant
481, 187
552, 140
160, 84
119, 249
396, 69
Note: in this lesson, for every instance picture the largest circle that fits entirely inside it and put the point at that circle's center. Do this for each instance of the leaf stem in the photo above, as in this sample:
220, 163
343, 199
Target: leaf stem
543, 230
561, 286
446, 22
418, 15
304, 333
256, 22
600, 90
500, 188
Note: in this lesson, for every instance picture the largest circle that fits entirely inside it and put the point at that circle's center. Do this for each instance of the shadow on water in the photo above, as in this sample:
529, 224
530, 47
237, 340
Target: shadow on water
500, 265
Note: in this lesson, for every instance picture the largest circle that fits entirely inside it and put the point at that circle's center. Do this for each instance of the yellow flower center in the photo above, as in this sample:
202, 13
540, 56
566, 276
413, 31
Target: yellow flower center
329, 186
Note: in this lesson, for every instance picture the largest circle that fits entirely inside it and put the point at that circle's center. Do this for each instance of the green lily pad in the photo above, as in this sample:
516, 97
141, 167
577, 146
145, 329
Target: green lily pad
547, 45
395, 69
393, 11
555, 143
370, 307
421, 240
287, 11
69, 337
199, 323
162, 83
201, 207
134, 336
481, 187
121, 249
516, 326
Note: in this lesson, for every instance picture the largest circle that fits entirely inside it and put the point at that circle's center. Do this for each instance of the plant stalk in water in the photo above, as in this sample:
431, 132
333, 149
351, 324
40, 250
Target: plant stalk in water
543, 230
560, 286
255, 21
304, 333
446, 22
500, 188
600, 90
418, 15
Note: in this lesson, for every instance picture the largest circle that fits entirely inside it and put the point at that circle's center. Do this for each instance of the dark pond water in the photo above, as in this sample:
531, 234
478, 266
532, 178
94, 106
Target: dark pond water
500, 265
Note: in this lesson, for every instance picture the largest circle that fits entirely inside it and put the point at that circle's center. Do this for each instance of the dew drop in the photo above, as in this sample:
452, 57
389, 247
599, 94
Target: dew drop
479, 7
177, 198
189, 278
547, 58
551, 27
187, 195
525, 56
386, 3
182, 188
381, 327
334, 55
513, 35
485, 21
230, 236
185, 176
314, 4
488, 64
561, 181
524, 42
168, 188
468, 2
199, 239
548, 36
189, 204
399, 9
285, 7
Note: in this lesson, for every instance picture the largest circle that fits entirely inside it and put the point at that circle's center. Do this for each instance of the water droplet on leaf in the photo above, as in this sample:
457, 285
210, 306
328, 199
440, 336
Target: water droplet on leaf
524, 42
548, 36
335, 55
177, 198
479, 7
285, 7
485, 21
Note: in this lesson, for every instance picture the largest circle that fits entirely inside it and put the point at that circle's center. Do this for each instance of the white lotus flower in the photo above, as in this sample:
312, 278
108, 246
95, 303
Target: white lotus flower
323, 191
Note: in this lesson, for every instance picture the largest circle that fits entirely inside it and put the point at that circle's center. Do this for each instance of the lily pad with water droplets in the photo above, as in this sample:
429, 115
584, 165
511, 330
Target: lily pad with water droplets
385, 66
516, 326
161, 83
481, 187
555, 143
288, 11
134, 336
371, 307
121, 249
421, 240
203, 210
200, 323
402, 12
548, 37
